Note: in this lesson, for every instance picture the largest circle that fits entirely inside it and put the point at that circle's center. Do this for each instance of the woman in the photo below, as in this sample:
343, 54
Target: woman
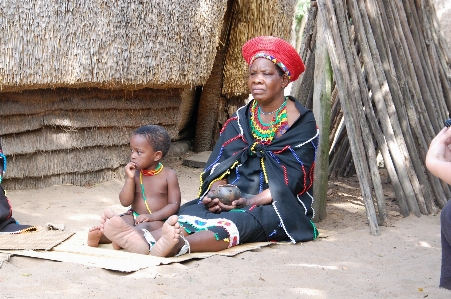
267, 149
438, 162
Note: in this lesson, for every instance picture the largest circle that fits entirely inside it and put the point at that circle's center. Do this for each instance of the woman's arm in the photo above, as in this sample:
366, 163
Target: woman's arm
261, 199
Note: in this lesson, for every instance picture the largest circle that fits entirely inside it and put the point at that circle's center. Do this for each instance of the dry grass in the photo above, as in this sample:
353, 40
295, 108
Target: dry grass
253, 18
119, 44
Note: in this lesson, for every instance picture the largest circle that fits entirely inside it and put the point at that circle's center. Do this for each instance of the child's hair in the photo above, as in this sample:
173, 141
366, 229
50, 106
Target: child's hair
157, 136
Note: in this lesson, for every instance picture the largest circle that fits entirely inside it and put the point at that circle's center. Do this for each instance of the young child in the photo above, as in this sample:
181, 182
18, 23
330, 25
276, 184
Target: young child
151, 190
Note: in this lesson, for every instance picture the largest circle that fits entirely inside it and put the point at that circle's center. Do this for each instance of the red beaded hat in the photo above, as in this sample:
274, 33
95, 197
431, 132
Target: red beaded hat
278, 51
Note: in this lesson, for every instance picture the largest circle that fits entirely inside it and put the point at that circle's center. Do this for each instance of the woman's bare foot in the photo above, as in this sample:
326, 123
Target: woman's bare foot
94, 235
170, 242
122, 234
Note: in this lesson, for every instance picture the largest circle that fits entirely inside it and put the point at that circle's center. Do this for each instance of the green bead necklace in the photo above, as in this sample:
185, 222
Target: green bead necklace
264, 132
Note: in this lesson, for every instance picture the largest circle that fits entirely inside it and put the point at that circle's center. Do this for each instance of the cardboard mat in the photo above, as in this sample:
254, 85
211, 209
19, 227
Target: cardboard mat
75, 250
3, 257
41, 239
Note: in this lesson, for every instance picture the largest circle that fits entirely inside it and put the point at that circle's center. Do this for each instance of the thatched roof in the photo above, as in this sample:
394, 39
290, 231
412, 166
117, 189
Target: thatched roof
253, 18
118, 44
80, 136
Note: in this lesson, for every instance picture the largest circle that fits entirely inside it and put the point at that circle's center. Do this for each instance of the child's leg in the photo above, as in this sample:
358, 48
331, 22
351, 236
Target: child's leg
170, 243
130, 220
122, 234
96, 237
150, 226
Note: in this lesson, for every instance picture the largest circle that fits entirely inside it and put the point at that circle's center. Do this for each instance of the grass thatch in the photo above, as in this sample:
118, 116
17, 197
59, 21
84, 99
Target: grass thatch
63, 99
78, 179
253, 18
61, 136
74, 109
118, 44
69, 161
54, 139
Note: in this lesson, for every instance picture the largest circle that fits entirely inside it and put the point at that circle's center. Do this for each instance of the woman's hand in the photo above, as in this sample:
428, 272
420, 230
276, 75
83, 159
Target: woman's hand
212, 204
215, 206
240, 203
438, 157
439, 147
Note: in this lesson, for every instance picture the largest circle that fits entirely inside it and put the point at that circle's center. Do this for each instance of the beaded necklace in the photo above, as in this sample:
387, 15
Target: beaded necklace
148, 173
153, 172
269, 113
264, 132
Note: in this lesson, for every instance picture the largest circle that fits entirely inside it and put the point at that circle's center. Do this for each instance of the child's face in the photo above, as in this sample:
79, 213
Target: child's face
142, 153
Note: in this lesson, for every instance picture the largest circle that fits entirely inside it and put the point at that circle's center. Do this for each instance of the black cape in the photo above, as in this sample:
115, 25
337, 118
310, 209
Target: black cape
288, 169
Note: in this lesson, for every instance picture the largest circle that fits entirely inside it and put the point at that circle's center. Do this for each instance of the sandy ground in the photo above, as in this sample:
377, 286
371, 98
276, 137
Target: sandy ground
403, 262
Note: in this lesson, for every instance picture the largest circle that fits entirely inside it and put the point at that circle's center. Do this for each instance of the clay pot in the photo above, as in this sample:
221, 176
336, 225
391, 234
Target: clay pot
226, 193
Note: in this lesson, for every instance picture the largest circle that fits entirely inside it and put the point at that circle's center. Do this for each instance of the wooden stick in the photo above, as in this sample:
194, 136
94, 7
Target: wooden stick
396, 111
416, 60
339, 65
377, 132
386, 124
424, 131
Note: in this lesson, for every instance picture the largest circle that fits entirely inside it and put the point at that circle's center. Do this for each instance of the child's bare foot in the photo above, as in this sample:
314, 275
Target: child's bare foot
94, 236
167, 245
117, 247
122, 234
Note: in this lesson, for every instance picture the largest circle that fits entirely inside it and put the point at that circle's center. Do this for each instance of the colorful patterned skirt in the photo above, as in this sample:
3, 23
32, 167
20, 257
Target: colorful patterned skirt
237, 226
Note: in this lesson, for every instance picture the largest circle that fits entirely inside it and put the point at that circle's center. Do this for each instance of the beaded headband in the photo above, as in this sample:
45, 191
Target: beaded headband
274, 60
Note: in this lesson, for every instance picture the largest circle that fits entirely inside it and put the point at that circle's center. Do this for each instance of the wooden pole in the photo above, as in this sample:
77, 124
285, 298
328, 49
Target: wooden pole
321, 109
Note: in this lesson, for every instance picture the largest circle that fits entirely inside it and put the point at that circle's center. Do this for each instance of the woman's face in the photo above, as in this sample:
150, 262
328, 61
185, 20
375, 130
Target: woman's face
264, 82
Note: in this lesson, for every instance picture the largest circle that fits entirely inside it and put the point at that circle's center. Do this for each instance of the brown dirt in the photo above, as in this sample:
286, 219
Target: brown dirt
403, 262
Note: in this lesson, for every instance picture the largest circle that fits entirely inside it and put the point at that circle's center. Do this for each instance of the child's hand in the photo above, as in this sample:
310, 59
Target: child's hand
130, 170
144, 218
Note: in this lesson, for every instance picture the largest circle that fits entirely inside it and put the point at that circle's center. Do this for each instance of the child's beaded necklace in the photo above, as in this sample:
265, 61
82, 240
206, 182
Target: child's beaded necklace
263, 132
148, 173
